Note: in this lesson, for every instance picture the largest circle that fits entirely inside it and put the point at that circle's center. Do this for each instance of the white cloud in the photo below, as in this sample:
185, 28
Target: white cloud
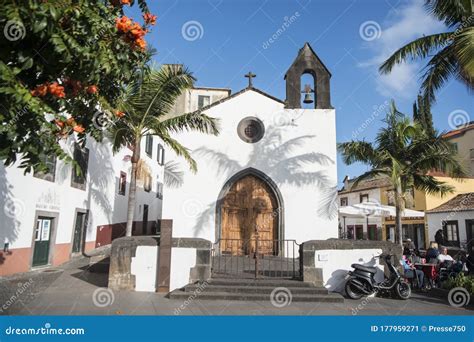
403, 25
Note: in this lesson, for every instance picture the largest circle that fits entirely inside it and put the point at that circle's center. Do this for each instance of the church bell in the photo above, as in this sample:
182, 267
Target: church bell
307, 97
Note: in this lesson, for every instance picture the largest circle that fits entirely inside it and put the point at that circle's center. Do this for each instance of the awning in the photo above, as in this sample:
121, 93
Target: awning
373, 209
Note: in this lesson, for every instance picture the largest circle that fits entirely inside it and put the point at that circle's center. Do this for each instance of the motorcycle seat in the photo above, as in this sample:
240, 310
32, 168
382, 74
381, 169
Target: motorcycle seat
369, 269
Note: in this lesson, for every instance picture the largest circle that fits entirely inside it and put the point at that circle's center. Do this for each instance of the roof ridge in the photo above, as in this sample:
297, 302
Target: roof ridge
235, 95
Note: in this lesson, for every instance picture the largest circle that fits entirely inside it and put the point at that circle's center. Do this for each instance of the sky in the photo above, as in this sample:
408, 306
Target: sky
221, 40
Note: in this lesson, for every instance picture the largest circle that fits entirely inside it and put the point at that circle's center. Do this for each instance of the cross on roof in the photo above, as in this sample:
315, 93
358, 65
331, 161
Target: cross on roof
250, 75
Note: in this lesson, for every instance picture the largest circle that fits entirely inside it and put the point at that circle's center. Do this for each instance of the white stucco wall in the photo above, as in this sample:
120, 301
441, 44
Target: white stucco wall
26, 194
193, 206
144, 267
435, 222
354, 198
182, 260
336, 263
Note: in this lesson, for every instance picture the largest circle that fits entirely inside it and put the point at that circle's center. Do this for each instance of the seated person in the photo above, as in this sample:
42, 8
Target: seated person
444, 256
411, 272
432, 253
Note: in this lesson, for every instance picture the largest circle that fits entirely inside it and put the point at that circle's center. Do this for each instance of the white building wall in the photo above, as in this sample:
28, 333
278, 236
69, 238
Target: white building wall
354, 198
23, 195
435, 222
336, 263
193, 206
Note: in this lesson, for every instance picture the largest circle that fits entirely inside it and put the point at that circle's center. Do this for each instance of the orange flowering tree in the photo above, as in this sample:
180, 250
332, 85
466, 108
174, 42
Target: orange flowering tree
61, 63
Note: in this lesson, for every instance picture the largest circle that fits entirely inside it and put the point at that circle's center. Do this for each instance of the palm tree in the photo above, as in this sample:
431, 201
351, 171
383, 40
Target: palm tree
405, 153
451, 53
145, 107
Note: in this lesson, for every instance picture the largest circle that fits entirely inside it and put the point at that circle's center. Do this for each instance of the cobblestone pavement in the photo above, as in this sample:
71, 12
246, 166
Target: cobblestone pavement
73, 290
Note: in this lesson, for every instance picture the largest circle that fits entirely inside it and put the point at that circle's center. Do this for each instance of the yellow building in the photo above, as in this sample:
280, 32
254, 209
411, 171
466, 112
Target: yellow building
417, 228
379, 190
463, 140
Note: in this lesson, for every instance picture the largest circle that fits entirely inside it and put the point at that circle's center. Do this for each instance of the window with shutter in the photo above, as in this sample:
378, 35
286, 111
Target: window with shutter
79, 171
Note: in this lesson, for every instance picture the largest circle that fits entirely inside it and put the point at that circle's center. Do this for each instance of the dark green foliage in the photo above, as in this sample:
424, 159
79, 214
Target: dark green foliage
451, 53
50, 41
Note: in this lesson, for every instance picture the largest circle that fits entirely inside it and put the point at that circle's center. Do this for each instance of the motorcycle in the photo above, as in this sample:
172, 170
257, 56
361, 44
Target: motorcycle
361, 281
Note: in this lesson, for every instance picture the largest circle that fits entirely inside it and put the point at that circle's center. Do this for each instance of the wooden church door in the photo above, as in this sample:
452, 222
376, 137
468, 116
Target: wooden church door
249, 204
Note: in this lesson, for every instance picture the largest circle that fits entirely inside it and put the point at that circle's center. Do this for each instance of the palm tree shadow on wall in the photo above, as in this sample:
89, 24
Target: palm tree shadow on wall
10, 208
101, 174
285, 168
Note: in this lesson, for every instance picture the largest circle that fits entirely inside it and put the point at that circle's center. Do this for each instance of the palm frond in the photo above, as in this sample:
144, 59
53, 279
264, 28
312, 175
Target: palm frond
431, 185
451, 12
173, 176
463, 45
191, 122
179, 149
419, 48
439, 69
358, 151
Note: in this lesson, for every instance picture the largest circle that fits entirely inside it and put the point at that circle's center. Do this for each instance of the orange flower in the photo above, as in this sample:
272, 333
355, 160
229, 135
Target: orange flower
56, 90
149, 18
123, 24
137, 31
78, 129
125, 2
141, 43
59, 123
119, 114
40, 90
71, 122
92, 89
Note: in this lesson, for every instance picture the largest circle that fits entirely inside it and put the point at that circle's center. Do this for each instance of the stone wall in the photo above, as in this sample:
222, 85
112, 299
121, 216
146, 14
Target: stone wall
318, 258
190, 262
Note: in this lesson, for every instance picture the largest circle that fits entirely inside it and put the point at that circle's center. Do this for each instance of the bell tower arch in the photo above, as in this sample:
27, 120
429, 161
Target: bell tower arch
307, 62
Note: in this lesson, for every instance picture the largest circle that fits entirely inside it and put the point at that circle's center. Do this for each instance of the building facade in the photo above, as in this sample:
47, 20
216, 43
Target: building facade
48, 218
455, 218
269, 172
379, 190
463, 140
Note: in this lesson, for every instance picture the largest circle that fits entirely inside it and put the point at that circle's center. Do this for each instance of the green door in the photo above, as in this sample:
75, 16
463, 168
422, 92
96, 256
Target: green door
42, 237
78, 233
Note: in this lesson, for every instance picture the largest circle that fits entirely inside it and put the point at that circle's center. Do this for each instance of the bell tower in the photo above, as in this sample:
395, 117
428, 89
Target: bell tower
307, 62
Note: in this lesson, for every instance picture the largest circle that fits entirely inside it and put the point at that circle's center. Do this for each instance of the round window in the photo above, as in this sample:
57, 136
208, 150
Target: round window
251, 129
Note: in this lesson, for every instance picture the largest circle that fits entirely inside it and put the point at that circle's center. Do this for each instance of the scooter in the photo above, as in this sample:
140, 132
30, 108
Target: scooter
361, 282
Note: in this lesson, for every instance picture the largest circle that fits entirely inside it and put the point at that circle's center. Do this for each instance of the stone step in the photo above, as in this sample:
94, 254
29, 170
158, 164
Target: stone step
252, 289
328, 298
258, 282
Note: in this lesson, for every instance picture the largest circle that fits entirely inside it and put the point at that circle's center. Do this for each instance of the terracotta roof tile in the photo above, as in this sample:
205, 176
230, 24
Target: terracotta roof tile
462, 202
459, 130
372, 183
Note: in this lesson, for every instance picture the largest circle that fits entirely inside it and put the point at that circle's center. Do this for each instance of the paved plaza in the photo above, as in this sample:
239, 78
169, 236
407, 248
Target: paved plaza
73, 290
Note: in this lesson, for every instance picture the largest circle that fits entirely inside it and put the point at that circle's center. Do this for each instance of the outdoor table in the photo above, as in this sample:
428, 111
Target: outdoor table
428, 269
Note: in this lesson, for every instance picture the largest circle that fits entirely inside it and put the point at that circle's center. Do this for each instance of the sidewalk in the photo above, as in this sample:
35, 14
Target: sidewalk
72, 290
